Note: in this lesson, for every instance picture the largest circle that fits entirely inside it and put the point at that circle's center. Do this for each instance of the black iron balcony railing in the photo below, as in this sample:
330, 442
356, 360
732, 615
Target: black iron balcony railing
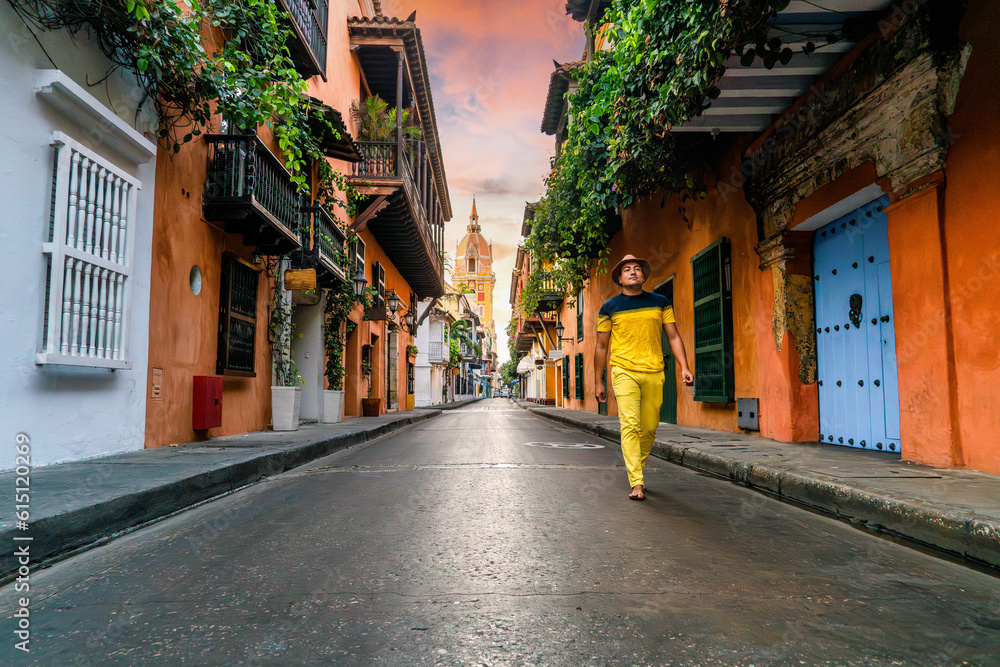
330, 241
309, 19
250, 191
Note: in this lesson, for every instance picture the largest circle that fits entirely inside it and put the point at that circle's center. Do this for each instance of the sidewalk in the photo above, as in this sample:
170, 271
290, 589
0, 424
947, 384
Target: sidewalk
84, 503
954, 510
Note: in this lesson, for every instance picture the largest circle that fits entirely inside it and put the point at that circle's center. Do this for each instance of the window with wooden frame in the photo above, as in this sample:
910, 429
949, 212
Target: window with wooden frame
89, 250
579, 375
579, 317
237, 317
713, 324
357, 253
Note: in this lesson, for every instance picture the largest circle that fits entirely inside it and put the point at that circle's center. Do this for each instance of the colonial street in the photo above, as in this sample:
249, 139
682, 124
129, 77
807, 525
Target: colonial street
494, 537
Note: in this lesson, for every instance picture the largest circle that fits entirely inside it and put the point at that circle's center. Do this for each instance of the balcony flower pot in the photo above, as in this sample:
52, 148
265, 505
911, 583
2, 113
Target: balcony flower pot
371, 407
332, 408
285, 405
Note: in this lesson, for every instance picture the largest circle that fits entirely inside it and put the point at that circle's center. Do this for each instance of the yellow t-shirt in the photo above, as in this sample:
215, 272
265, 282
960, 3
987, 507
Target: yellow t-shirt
636, 326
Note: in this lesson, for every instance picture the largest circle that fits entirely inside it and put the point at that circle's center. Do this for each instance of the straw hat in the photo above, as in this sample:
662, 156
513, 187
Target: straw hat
617, 271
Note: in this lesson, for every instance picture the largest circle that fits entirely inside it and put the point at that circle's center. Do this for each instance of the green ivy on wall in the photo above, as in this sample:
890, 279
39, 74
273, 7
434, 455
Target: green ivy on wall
660, 71
200, 59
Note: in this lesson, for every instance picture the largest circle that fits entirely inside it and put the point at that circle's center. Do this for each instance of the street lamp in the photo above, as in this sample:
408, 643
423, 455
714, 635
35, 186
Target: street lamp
359, 284
392, 300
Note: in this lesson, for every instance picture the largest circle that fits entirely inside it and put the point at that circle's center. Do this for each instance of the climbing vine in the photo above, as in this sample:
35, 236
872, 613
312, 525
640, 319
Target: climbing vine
201, 59
660, 71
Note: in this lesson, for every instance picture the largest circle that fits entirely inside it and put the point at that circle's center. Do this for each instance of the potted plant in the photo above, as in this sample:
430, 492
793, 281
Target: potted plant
411, 351
286, 391
371, 406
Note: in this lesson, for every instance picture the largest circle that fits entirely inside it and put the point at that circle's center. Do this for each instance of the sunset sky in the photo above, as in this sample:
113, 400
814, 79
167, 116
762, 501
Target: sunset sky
490, 62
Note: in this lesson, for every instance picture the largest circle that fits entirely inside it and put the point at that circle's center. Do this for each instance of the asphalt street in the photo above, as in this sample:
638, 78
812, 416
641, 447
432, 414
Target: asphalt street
488, 536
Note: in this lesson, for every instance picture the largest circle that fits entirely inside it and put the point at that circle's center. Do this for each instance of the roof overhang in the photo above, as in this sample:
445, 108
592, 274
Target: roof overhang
375, 40
751, 97
339, 144
529, 217
586, 10
555, 100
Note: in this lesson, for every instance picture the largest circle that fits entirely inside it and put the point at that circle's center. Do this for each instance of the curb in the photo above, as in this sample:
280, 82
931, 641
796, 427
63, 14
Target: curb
60, 535
959, 532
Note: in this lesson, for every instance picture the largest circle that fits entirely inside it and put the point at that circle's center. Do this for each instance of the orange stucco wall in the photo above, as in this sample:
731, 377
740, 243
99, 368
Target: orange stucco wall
972, 241
184, 326
658, 233
355, 387
183, 332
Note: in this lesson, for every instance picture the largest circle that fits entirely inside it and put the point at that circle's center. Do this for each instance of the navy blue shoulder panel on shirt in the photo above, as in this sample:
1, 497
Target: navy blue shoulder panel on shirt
623, 302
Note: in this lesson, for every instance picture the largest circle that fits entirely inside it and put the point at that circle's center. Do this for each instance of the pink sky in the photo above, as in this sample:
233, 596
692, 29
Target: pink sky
490, 62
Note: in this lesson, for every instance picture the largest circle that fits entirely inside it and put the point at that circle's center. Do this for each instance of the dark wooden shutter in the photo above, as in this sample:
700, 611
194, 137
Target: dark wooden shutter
237, 318
713, 324
377, 312
579, 317
579, 375
565, 369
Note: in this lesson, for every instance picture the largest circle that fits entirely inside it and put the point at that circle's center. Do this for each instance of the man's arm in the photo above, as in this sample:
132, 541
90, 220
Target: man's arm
600, 361
680, 354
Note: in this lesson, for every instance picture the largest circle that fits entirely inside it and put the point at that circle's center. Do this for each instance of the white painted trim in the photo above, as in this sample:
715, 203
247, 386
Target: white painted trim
67, 96
840, 209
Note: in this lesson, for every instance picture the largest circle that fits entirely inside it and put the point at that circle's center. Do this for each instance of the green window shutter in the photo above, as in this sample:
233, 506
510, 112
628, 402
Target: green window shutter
565, 365
713, 324
237, 318
579, 375
579, 317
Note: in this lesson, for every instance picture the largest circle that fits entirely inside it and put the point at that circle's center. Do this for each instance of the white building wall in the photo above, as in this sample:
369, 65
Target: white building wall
68, 412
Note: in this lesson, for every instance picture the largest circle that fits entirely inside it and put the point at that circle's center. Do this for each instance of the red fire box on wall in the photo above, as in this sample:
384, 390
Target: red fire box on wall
207, 412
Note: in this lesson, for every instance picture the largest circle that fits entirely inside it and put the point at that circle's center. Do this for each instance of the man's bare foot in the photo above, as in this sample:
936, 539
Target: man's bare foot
637, 492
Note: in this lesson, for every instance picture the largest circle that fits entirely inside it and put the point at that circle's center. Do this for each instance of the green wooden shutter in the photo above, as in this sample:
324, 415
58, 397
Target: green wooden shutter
579, 375
713, 324
579, 317
237, 318
565, 369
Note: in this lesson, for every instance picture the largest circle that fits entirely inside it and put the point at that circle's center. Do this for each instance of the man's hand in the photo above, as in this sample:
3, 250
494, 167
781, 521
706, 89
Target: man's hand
602, 393
687, 377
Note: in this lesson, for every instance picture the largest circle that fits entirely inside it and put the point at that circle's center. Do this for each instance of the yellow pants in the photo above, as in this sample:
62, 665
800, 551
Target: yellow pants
639, 397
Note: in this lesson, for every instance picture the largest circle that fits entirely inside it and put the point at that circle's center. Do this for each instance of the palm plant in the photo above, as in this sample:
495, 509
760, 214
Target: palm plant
377, 122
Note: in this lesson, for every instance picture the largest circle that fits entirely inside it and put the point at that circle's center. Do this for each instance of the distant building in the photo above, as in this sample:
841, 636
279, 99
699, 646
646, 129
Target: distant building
474, 270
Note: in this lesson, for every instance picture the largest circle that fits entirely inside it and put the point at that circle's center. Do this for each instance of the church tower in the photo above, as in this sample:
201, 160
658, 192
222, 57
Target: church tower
474, 270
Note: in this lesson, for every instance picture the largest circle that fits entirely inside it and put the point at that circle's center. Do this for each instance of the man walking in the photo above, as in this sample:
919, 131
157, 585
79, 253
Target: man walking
630, 324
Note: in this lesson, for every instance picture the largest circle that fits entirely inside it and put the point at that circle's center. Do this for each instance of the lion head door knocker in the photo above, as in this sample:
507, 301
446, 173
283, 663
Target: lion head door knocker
856, 310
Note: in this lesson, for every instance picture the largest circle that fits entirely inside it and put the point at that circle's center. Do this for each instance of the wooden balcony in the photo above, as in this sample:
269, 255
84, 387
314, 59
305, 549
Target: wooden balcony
309, 20
401, 209
248, 191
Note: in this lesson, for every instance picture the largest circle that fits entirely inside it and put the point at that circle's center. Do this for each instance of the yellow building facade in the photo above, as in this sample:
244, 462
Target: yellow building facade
474, 270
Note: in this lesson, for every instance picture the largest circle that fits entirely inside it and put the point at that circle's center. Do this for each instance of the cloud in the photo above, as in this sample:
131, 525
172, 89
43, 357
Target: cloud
490, 63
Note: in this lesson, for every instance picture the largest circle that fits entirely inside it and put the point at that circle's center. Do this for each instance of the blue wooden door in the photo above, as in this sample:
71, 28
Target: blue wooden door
855, 339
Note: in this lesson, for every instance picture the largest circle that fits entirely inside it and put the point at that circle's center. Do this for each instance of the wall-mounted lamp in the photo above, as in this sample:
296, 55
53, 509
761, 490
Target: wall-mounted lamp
560, 330
359, 285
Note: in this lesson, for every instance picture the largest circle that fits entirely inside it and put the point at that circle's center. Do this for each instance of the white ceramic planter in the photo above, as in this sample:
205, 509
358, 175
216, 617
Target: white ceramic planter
332, 409
285, 405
